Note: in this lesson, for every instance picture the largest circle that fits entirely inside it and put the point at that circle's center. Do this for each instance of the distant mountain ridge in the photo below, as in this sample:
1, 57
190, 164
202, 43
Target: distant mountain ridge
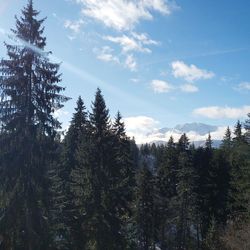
197, 131
200, 128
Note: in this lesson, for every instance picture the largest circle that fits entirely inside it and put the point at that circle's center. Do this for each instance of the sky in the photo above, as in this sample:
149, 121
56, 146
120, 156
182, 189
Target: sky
159, 62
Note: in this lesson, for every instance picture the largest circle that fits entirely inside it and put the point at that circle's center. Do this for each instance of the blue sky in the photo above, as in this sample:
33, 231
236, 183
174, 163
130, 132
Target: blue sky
159, 62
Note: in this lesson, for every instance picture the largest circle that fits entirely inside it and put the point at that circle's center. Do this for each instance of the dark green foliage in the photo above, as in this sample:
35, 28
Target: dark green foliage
145, 214
66, 186
227, 140
238, 135
166, 188
247, 128
29, 96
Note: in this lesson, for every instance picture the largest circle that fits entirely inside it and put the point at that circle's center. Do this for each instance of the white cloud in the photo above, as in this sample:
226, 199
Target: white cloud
215, 112
105, 54
190, 72
123, 14
189, 88
244, 86
131, 63
144, 39
140, 126
136, 42
161, 86
74, 26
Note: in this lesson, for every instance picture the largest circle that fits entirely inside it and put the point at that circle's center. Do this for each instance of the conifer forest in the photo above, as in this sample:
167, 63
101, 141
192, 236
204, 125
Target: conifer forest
94, 188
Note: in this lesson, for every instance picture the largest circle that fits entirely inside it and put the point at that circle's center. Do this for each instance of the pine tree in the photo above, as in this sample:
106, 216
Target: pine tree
104, 225
239, 137
125, 168
227, 140
66, 178
240, 173
247, 128
166, 188
145, 214
186, 200
29, 96
209, 142
123, 178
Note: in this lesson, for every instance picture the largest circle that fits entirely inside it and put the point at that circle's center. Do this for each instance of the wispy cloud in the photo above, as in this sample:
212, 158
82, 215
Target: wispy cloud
133, 43
136, 42
244, 86
123, 14
216, 112
106, 54
74, 26
189, 88
131, 63
191, 72
161, 86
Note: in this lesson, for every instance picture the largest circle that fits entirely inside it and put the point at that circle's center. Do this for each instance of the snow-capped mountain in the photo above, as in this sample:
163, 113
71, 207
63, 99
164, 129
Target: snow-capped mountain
196, 132
199, 128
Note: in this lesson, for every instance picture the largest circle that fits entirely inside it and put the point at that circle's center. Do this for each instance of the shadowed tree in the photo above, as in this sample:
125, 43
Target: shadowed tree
30, 94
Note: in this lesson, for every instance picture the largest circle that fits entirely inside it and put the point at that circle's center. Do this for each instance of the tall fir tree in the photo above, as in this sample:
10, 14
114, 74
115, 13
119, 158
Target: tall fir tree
240, 173
247, 128
123, 179
227, 140
104, 225
186, 199
67, 206
238, 134
166, 189
145, 214
30, 94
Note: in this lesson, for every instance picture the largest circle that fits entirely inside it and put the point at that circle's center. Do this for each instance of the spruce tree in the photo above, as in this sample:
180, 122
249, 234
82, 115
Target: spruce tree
186, 200
66, 177
238, 135
123, 178
125, 168
166, 188
209, 142
145, 214
240, 172
227, 140
247, 128
30, 94
104, 225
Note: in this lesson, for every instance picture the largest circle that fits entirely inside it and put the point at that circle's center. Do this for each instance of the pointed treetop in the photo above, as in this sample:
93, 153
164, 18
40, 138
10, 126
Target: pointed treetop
119, 127
238, 132
183, 142
227, 139
209, 141
80, 116
171, 143
247, 128
227, 135
100, 114
29, 28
